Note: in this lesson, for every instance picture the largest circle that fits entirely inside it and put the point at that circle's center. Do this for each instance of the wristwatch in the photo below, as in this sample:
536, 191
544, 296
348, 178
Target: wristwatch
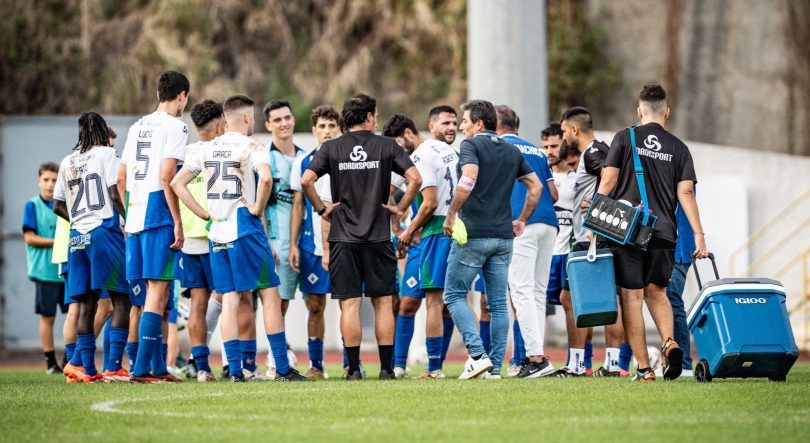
323, 209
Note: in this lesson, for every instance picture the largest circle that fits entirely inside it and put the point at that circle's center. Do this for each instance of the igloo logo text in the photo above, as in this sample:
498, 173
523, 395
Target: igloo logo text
750, 301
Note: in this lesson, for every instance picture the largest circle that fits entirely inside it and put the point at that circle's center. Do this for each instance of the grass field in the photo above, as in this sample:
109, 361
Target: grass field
35, 407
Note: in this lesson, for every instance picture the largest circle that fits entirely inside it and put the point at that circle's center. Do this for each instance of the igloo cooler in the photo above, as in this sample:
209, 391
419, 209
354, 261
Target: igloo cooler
593, 287
741, 329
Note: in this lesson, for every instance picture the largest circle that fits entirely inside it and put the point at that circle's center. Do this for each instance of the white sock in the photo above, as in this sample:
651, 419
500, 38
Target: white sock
612, 359
212, 317
576, 361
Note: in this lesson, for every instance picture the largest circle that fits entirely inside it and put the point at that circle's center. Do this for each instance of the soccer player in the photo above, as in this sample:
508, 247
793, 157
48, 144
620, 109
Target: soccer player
531, 256
155, 145
280, 121
489, 166
670, 178
306, 246
195, 266
39, 226
359, 165
241, 258
87, 184
577, 127
437, 163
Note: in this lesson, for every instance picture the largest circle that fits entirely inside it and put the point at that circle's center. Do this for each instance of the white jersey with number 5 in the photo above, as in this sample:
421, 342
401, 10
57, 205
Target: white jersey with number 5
437, 162
83, 184
229, 164
154, 138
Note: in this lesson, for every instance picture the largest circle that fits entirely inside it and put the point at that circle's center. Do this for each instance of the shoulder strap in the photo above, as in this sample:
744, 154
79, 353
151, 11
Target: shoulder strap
642, 188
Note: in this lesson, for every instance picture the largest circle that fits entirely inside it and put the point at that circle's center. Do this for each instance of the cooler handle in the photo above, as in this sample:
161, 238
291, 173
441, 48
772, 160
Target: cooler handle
714, 265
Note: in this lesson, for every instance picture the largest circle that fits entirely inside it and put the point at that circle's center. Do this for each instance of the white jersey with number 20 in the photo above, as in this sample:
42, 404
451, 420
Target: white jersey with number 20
83, 184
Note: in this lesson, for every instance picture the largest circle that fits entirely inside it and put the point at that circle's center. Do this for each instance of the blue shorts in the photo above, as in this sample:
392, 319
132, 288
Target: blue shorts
149, 256
96, 262
314, 278
556, 278
411, 281
106, 294
479, 283
244, 264
195, 271
137, 294
287, 277
435, 250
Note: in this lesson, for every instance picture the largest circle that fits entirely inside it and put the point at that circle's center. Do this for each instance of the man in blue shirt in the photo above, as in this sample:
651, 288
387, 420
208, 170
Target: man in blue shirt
39, 226
531, 256
488, 165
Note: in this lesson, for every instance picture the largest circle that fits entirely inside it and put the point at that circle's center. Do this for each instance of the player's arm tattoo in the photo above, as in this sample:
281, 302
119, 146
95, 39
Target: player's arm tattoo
118, 204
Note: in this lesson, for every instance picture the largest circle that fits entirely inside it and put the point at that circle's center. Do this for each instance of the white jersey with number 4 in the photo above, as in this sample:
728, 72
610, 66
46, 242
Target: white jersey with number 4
154, 138
83, 184
228, 164
437, 162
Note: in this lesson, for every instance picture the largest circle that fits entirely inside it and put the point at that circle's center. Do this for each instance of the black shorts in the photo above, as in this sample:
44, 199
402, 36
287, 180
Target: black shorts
351, 265
50, 295
636, 269
582, 246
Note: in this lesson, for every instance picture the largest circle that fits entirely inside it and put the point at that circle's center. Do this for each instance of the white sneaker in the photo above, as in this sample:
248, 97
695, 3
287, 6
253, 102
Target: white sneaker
205, 376
474, 368
400, 372
490, 376
253, 376
271, 372
514, 370
687, 373
659, 373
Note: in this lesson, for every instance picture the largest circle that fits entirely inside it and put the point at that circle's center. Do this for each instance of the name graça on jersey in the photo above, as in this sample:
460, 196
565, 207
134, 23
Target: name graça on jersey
221, 154
654, 155
531, 150
359, 165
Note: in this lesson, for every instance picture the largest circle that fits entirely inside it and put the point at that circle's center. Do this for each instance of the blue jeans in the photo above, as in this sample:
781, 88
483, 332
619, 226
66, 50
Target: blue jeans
675, 295
492, 255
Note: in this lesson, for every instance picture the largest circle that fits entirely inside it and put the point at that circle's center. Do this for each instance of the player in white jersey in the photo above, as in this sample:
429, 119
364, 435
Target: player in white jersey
86, 195
306, 242
155, 145
437, 162
564, 179
241, 258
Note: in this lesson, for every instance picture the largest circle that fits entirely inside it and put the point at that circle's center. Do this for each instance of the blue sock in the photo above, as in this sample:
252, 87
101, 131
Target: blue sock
517, 340
70, 348
248, 355
345, 357
76, 360
434, 352
118, 341
588, 356
164, 351
315, 348
402, 341
200, 354
105, 348
278, 344
448, 334
159, 357
132, 353
486, 337
149, 341
625, 354
234, 350
87, 346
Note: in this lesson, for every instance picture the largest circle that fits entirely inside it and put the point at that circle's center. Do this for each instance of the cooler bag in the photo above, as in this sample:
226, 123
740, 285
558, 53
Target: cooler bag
741, 329
593, 287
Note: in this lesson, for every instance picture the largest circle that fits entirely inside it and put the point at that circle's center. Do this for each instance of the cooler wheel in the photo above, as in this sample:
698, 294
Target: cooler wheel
780, 379
702, 374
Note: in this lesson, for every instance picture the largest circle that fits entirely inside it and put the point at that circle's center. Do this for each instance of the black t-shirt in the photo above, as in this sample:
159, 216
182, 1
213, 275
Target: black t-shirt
359, 165
487, 213
666, 162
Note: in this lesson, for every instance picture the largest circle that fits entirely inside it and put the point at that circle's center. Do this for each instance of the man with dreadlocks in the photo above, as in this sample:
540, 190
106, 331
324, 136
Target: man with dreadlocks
155, 145
87, 184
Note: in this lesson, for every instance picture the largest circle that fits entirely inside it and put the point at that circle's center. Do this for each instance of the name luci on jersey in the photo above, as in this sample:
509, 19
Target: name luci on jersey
359, 165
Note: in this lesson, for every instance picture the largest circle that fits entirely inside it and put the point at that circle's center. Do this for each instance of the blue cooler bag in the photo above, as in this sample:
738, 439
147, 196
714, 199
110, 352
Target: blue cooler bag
593, 287
741, 329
